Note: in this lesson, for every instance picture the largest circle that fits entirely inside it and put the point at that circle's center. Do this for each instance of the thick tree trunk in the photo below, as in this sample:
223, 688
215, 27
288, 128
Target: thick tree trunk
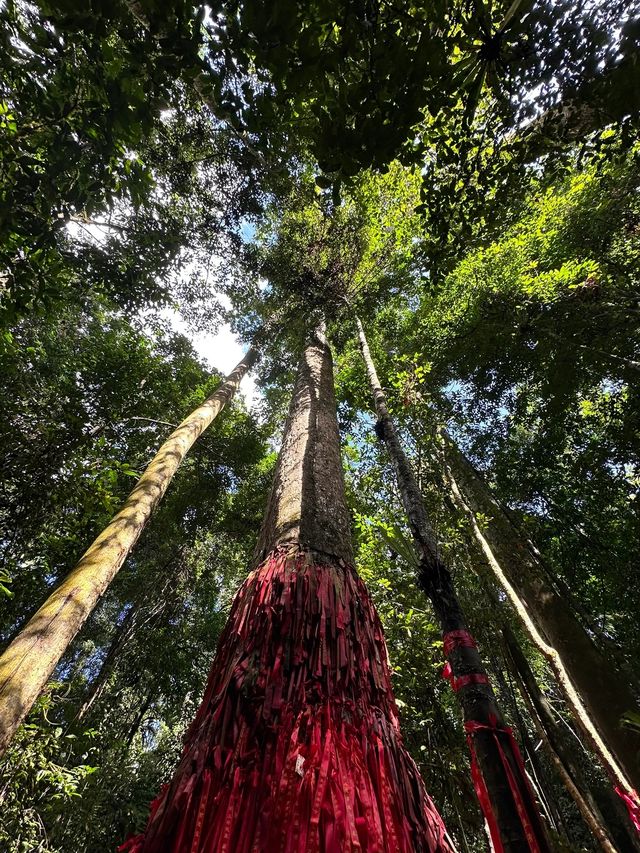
501, 784
307, 505
296, 745
30, 659
597, 693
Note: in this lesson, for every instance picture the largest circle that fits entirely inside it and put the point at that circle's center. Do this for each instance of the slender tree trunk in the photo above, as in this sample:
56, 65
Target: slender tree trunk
596, 692
618, 359
124, 633
561, 754
296, 745
139, 717
539, 782
503, 790
30, 659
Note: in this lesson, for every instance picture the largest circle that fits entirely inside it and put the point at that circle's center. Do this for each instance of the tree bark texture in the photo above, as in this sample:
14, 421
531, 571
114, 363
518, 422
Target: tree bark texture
597, 693
296, 745
30, 659
307, 503
499, 777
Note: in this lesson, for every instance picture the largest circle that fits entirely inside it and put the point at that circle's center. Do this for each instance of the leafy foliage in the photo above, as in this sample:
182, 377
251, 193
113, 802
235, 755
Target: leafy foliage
465, 177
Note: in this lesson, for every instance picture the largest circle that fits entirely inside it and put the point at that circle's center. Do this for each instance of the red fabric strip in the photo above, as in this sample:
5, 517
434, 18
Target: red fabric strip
632, 802
296, 747
471, 727
457, 682
483, 797
457, 640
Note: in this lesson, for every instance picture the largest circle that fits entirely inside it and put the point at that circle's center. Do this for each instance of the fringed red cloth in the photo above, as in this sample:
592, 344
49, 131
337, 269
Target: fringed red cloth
519, 797
457, 682
296, 747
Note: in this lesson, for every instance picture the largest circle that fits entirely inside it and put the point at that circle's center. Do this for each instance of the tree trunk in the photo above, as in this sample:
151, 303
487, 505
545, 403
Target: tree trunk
597, 694
123, 634
561, 754
499, 777
30, 659
137, 720
296, 745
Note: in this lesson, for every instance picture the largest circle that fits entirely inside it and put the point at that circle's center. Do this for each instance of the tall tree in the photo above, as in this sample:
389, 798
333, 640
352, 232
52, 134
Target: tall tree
503, 790
32, 656
562, 754
585, 673
296, 745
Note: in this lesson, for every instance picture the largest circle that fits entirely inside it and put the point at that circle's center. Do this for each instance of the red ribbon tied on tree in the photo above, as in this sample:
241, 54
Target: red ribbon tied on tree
458, 640
459, 681
520, 796
632, 802
503, 737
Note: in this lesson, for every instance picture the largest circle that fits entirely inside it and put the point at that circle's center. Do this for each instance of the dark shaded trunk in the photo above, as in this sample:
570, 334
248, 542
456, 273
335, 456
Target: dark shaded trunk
97, 687
296, 745
508, 803
595, 690
137, 721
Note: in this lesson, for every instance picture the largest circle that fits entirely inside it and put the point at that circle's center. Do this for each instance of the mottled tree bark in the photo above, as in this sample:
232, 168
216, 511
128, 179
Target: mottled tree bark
597, 693
307, 503
30, 659
296, 745
499, 765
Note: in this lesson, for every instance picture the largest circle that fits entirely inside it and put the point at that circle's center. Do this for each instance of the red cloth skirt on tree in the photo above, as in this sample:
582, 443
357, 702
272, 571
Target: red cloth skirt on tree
296, 745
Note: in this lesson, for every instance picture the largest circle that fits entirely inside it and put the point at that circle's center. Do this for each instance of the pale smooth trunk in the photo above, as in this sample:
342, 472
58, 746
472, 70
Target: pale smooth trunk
595, 691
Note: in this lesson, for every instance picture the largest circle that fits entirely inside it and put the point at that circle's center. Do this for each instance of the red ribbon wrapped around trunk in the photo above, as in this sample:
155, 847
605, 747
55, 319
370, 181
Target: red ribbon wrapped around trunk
457, 682
472, 727
457, 639
522, 792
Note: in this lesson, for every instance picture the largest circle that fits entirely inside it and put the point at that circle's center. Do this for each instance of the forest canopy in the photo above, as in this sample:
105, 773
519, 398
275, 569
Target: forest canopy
419, 227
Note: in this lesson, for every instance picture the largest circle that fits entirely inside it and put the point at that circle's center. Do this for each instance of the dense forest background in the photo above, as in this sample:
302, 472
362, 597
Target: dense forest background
464, 176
